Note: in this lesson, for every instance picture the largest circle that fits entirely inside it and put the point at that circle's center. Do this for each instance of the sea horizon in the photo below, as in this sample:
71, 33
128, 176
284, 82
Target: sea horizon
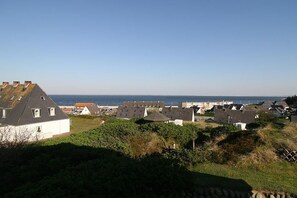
174, 100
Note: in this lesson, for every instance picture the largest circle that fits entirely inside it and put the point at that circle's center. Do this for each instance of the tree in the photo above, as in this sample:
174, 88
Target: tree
291, 101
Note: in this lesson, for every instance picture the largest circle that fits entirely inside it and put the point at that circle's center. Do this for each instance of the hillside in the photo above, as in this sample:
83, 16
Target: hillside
132, 159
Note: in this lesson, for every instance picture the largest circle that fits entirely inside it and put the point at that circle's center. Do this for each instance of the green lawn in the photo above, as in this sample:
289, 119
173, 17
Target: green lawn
84, 123
278, 176
121, 156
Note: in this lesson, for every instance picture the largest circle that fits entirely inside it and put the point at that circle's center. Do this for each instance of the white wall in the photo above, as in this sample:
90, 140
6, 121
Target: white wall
85, 111
240, 125
205, 105
48, 130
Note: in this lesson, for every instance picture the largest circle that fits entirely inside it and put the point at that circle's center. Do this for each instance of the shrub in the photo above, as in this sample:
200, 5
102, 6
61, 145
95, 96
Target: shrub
236, 145
252, 126
180, 134
221, 130
266, 118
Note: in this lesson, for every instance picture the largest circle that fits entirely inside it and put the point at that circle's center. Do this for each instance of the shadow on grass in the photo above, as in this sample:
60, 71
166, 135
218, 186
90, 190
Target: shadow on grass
67, 170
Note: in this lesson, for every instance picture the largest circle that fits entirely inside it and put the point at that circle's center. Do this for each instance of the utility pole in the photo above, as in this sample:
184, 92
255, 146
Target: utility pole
193, 140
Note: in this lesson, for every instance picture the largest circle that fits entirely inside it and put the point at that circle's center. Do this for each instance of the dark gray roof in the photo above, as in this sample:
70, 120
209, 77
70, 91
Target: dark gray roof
185, 114
148, 104
19, 111
281, 103
233, 116
156, 117
267, 104
130, 112
93, 109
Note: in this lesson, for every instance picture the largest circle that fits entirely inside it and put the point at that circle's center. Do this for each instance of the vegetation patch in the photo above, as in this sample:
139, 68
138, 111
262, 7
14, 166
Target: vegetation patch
130, 158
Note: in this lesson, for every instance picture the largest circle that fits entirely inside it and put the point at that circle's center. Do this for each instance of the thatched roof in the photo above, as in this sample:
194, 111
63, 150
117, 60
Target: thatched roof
156, 117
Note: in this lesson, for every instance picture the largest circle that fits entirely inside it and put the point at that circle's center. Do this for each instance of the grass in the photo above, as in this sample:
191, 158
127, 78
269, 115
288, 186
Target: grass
84, 123
261, 169
278, 176
203, 124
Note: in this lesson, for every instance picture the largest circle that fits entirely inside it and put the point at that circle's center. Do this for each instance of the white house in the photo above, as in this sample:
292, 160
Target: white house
240, 125
26, 111
86, 109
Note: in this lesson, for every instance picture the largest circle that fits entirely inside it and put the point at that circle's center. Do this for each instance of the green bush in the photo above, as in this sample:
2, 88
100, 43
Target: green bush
220, 130
252, 126
266, 118
181, 134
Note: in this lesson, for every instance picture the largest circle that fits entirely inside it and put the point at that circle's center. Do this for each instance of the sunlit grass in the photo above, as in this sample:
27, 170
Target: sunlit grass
278, 176
81, 124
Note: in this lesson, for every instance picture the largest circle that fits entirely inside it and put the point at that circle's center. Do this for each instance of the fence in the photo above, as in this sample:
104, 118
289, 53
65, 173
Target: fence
290, 156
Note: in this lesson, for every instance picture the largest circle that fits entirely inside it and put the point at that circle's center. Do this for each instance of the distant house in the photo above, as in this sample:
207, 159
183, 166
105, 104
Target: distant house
185, 114
231, 107
278, 111
67, 109
278, 108
204, 105
267, 105
131, 112
26, 110
229, 116
282, 104
86, 109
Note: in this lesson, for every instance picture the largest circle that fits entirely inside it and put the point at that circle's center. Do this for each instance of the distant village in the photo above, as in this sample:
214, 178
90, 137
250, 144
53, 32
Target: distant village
223, 112
25, 109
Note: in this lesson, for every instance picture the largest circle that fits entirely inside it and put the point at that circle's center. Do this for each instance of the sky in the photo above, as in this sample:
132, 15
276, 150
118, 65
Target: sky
151, 47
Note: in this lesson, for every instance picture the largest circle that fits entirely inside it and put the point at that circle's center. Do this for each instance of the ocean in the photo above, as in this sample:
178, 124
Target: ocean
116, 100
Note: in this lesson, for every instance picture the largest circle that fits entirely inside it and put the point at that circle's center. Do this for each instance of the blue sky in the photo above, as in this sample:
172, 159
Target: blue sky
151, 47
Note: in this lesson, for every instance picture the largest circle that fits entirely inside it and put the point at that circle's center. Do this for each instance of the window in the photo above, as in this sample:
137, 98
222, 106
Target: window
4, 113
52, 111
42, 98
36, 113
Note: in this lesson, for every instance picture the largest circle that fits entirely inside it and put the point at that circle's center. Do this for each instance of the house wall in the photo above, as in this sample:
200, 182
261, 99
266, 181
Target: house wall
48, 130
204, 105
85, 111
240, 125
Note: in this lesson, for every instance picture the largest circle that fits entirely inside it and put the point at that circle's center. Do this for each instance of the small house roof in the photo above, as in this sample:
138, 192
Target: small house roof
185, 114
131, 112
156, 117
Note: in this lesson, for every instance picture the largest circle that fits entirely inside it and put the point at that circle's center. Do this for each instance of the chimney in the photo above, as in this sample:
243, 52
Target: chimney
27, 83
4, 84
16, 83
